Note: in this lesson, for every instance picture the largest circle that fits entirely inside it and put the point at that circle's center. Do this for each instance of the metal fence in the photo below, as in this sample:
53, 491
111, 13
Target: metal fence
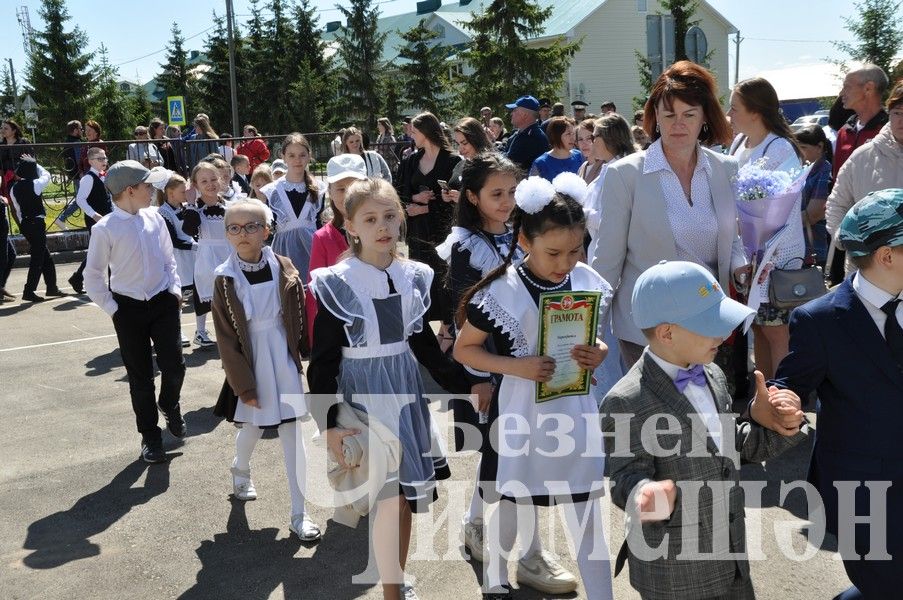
61, 191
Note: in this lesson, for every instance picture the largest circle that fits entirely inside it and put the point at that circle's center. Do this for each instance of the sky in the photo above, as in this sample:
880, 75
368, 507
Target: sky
794, 32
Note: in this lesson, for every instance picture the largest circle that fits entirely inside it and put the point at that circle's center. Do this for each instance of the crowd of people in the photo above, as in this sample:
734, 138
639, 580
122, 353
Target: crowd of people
641, 213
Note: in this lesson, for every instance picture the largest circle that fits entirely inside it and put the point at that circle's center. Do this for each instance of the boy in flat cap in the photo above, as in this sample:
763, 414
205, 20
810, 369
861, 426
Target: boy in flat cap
848, 346
143, 296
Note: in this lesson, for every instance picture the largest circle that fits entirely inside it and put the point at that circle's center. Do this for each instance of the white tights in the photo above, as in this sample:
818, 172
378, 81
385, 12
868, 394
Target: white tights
293, 452
586, 535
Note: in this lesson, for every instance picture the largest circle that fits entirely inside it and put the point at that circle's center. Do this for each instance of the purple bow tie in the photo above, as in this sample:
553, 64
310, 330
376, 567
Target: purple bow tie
695, 375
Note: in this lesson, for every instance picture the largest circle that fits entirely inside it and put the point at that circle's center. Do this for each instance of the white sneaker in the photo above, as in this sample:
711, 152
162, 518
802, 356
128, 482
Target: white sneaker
242, 487
202, 339
472, 538
304, 528
541, 571
184, 339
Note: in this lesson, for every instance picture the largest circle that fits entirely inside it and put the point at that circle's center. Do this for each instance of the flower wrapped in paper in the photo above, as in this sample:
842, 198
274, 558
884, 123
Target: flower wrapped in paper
765, 200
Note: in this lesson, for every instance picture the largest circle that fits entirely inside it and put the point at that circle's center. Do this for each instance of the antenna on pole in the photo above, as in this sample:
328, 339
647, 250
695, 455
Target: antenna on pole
25, 24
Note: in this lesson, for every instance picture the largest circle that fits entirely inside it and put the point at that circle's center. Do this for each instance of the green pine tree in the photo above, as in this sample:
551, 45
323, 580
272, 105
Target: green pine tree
309, 70
360, 49
423, 70
504, 65
58, 75
7, 94
214, 88
109, 105
176, 77
392, 97
253, 73
141, 110
878, 31
275, 63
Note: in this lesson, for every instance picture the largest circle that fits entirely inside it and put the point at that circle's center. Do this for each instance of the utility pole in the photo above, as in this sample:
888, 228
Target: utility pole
737, 41
12, 77
232, 84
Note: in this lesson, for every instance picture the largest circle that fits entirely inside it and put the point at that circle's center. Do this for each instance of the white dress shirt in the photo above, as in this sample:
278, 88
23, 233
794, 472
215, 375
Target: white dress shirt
700, 396
138, 251
873, 298
85, 187
693, 226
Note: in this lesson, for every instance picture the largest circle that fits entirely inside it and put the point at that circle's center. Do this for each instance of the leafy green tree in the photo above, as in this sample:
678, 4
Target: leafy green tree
111, 107
504, 67
176, 79
423, 70
58, 74
878, 31
360, 48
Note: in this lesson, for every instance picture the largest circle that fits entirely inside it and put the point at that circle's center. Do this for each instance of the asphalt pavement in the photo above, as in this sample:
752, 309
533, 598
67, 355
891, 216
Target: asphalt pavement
83, 518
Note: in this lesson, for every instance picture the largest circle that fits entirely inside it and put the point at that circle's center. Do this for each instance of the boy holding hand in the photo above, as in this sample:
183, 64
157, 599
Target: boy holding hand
682, 541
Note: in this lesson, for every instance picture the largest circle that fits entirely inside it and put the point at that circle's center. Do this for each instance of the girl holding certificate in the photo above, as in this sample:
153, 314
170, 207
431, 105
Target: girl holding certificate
541, 453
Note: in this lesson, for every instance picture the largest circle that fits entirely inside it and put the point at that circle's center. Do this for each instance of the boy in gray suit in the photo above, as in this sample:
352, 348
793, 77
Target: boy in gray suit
678, 479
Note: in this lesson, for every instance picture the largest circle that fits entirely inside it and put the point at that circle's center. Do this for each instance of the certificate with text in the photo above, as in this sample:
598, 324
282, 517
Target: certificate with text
566, 320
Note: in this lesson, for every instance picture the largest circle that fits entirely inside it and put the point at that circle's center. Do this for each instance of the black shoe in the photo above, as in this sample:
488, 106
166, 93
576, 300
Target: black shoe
31, 297
152, 452
175, 423
56, 292
77, 285
503, 593
6, 294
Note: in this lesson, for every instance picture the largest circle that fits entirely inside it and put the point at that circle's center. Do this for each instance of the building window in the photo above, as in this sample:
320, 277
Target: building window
641, 5
440, 31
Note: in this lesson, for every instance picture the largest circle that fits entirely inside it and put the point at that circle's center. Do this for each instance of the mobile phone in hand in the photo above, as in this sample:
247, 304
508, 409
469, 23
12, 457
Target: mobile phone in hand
443, 185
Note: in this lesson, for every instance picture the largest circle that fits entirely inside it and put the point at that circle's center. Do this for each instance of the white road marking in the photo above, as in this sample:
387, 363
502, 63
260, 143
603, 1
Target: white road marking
85, 339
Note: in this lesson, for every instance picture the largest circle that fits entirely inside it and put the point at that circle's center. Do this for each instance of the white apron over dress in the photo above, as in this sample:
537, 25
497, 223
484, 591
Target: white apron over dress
378, 372
213, 250
279, 389
294, 233
184, 257
552, 448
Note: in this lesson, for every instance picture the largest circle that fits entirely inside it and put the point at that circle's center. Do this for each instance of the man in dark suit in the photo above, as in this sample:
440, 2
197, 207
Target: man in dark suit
848, 346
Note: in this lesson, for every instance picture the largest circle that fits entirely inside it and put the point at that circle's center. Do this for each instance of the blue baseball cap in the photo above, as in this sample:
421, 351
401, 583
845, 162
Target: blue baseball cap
685, 294
528, 102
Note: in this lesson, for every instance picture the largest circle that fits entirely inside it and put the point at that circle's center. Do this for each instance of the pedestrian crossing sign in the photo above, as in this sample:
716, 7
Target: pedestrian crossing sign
176, 106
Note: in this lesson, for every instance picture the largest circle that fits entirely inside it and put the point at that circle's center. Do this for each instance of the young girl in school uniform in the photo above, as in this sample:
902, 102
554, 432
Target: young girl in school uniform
258, 315
171, 198
479, 242
549, 225
371, 333
296, 203
205, 220
330, 242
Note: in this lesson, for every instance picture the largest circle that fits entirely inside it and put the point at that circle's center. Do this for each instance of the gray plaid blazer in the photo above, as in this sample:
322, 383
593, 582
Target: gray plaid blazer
706, 520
